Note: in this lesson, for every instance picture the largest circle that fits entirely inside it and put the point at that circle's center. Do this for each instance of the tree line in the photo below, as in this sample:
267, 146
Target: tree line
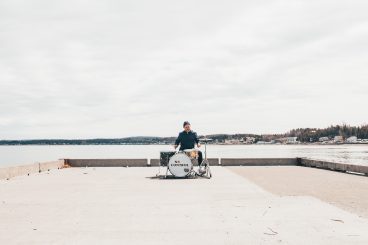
303, 135
345, 130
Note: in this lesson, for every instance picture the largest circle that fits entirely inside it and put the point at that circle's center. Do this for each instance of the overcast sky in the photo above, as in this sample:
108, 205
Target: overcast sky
85, 69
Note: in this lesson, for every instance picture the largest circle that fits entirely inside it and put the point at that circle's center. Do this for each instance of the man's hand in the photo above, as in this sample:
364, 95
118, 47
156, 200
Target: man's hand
198, 145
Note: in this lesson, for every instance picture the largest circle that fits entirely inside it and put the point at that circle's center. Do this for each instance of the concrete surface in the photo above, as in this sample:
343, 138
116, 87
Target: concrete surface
258, 161
225, 162
10, 172
143, 162
334, 166
347, 191
125, 206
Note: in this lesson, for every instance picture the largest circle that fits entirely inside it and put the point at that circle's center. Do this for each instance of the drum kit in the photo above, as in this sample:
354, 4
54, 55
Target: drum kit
181, 163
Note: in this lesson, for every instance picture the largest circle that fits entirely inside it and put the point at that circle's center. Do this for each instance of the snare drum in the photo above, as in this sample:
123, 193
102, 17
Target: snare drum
192, 153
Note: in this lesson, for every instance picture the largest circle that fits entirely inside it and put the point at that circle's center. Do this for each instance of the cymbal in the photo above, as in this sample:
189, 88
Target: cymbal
205, 139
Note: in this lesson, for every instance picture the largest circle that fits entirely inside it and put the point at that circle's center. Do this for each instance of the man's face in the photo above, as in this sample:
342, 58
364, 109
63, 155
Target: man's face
187, 127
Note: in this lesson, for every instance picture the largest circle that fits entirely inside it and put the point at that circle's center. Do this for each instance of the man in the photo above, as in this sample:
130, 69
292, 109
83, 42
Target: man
187, 140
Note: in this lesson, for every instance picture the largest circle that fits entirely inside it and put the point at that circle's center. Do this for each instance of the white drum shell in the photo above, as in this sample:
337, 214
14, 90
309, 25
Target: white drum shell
180, 165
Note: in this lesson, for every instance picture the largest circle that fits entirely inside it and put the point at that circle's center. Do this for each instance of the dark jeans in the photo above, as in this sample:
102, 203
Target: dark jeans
200, 157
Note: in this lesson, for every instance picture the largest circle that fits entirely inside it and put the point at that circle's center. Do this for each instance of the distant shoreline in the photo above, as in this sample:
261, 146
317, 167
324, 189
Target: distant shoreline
332, 135
56, 144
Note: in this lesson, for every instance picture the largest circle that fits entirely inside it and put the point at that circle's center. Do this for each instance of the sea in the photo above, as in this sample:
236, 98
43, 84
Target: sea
27, 154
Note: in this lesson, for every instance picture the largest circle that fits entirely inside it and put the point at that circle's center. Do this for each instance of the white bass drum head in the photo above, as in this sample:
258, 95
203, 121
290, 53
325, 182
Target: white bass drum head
180, 165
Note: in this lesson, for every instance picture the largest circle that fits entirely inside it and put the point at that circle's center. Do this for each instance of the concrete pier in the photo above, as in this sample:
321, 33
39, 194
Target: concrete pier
334, 166
258, 161
10, 172
107, 162
99, 205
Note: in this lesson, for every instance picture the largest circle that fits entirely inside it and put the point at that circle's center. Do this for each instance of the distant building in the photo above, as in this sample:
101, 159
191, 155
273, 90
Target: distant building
281, 140
233, 142
323, 139
261, 142
249, 140
266, 142
292, 140
352, 139
338, 139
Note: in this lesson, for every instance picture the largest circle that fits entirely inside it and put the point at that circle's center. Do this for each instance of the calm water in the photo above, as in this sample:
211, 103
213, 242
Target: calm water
17, 155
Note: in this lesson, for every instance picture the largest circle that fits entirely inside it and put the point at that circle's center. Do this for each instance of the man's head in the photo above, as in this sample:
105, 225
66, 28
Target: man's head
186, 126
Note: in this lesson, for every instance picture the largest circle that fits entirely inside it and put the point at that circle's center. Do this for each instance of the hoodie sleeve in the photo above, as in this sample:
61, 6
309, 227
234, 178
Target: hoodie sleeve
178, 139
196, 138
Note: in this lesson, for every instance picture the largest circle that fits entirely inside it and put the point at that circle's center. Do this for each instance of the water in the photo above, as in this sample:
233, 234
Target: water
18, 155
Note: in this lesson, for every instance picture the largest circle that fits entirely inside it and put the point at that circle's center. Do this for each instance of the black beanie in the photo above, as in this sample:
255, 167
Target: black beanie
185, 123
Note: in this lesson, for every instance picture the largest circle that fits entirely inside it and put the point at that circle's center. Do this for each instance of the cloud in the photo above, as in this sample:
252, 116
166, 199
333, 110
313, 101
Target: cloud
111, 69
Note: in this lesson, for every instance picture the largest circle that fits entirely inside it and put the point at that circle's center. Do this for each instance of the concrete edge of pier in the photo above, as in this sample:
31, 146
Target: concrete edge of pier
38, 167
10, 172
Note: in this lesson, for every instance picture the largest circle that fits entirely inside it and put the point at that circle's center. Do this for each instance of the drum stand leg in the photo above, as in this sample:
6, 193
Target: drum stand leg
208, 173
159, 170
208, 169
193, 174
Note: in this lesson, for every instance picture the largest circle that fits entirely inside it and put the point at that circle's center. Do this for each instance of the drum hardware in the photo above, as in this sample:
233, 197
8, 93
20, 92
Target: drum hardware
164, 160
204, 168
181, 163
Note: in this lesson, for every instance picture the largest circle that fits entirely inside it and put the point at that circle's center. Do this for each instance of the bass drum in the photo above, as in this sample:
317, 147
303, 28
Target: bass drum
180, 165
165, 157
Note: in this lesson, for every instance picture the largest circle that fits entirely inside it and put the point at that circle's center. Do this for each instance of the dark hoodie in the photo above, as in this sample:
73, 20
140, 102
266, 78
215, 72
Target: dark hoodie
187, 140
